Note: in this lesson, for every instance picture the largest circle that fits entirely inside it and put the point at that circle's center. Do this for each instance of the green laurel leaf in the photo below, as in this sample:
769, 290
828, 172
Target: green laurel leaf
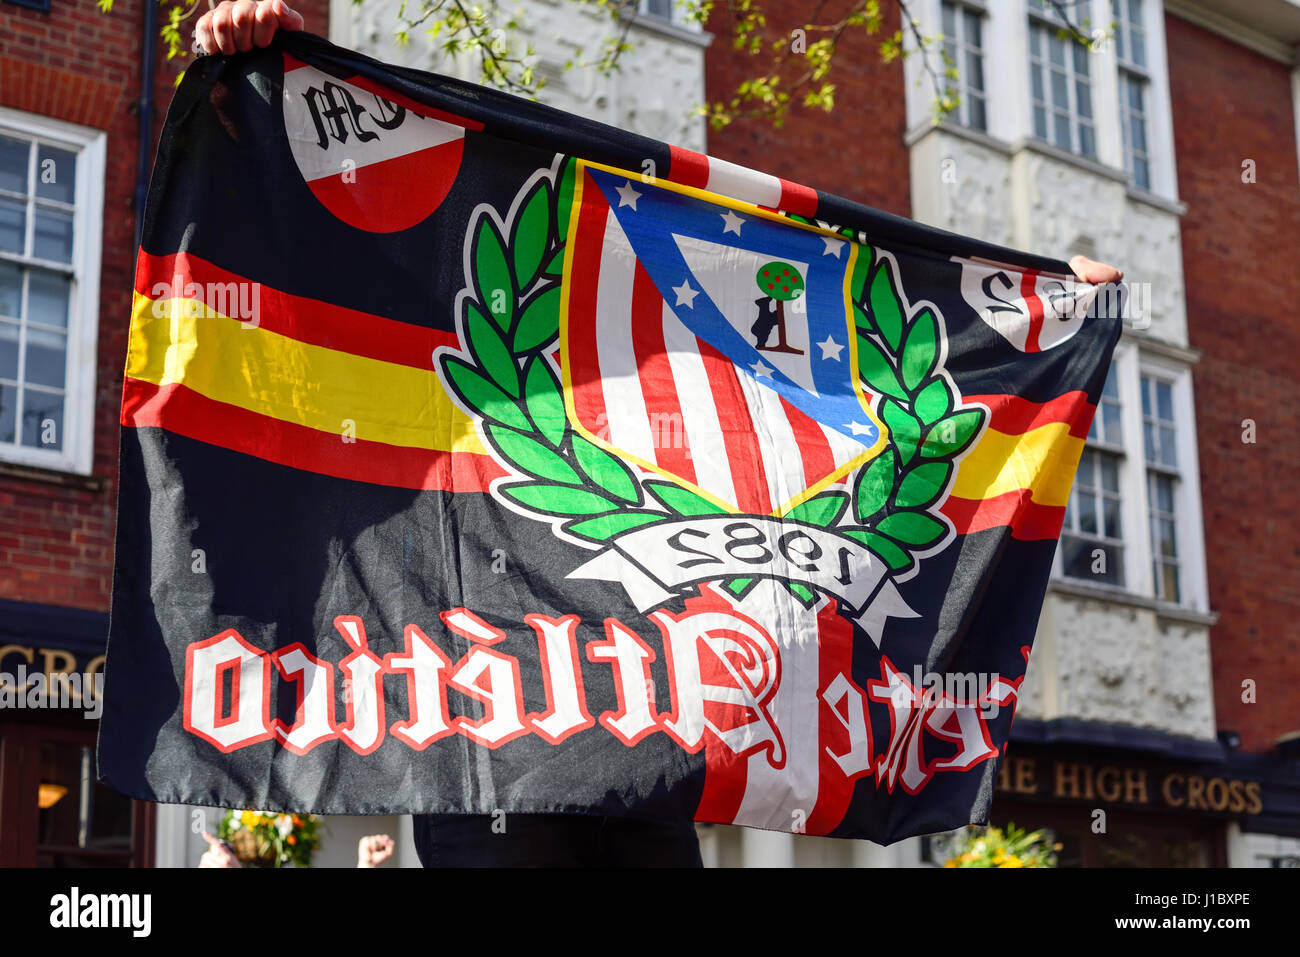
886, 309
530, 235
904, 430
861, 270
919, 349
952, 434
738, 586
923, 484
489, 348
484, 395
893, 556
682, 500
544, 400
540, 321
532, 456
564, 199
496, 288
933, 402
555, 265
875, 485
802, 592
877, 371
823, 510
558, 499
606, 470
912, 528
603, 527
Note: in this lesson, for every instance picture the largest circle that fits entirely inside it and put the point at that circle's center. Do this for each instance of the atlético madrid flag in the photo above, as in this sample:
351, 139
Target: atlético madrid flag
478, 457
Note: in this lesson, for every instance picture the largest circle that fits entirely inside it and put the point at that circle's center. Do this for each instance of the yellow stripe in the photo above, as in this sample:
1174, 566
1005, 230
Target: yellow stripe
183, 341
1042, 460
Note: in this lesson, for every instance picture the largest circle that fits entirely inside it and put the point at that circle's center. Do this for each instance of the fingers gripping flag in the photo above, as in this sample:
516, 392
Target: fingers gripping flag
464, 470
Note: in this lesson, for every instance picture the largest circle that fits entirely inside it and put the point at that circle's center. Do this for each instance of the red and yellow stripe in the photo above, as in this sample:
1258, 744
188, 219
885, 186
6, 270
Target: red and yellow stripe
1020, 472
310, 385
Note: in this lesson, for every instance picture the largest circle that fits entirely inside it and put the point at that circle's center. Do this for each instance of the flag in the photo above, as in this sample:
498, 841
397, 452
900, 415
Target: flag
476, 457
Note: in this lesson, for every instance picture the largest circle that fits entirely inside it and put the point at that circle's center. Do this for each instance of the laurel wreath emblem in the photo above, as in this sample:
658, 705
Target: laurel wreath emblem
509, 317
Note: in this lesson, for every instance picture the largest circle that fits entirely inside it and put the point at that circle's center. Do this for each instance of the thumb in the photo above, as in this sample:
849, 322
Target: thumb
290, 19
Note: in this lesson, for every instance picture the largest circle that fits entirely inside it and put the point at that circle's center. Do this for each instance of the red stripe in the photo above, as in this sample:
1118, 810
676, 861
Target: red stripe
744, 455
584, 368
1028, 520
798, 199
185, 412
1012, 415
658, 388
688, 167
1035, 305
814, 448
834, 658
297, 317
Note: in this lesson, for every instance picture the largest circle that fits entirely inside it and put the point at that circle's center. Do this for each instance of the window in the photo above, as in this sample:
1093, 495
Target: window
963, 48
1092, 537
51, 201
1159, 438
1060, 88
658, 8
1134, 89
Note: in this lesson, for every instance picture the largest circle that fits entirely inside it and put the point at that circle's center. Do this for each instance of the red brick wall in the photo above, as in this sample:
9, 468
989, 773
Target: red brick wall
856, 150
80, 65
1239, 261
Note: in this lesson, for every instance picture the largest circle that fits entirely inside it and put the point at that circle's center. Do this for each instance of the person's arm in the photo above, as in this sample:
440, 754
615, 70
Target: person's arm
239, 26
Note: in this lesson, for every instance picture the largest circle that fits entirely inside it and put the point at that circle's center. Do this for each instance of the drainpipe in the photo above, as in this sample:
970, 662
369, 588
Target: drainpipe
149, 43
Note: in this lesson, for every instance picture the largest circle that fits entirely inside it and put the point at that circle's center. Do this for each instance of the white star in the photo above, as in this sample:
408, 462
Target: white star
685, 294
733, 222
761, 370
833, 246
627, 196
830, 349
858, 428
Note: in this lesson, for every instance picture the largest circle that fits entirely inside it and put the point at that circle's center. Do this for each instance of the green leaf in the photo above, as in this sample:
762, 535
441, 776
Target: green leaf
682, 500
738, 586
933, 402
496, 288
823, 510
615, 523
544, 400
532, 456
531, 234
877, 371
919, 349
904, 430
558, 499
484, 395
951, 435
555, 265
912, 528
490, 350
606, 470
564, 198
893, 556
861, 270
875, 484
802, 592
540, 322
923, 484
886, 310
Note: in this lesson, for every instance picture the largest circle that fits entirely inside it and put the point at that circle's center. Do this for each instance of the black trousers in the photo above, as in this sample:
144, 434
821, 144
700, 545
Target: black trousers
553, 840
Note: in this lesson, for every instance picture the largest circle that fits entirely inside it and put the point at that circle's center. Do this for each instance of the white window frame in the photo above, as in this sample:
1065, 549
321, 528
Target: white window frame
1131, 365
1049, 24
962, 45
90, 145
